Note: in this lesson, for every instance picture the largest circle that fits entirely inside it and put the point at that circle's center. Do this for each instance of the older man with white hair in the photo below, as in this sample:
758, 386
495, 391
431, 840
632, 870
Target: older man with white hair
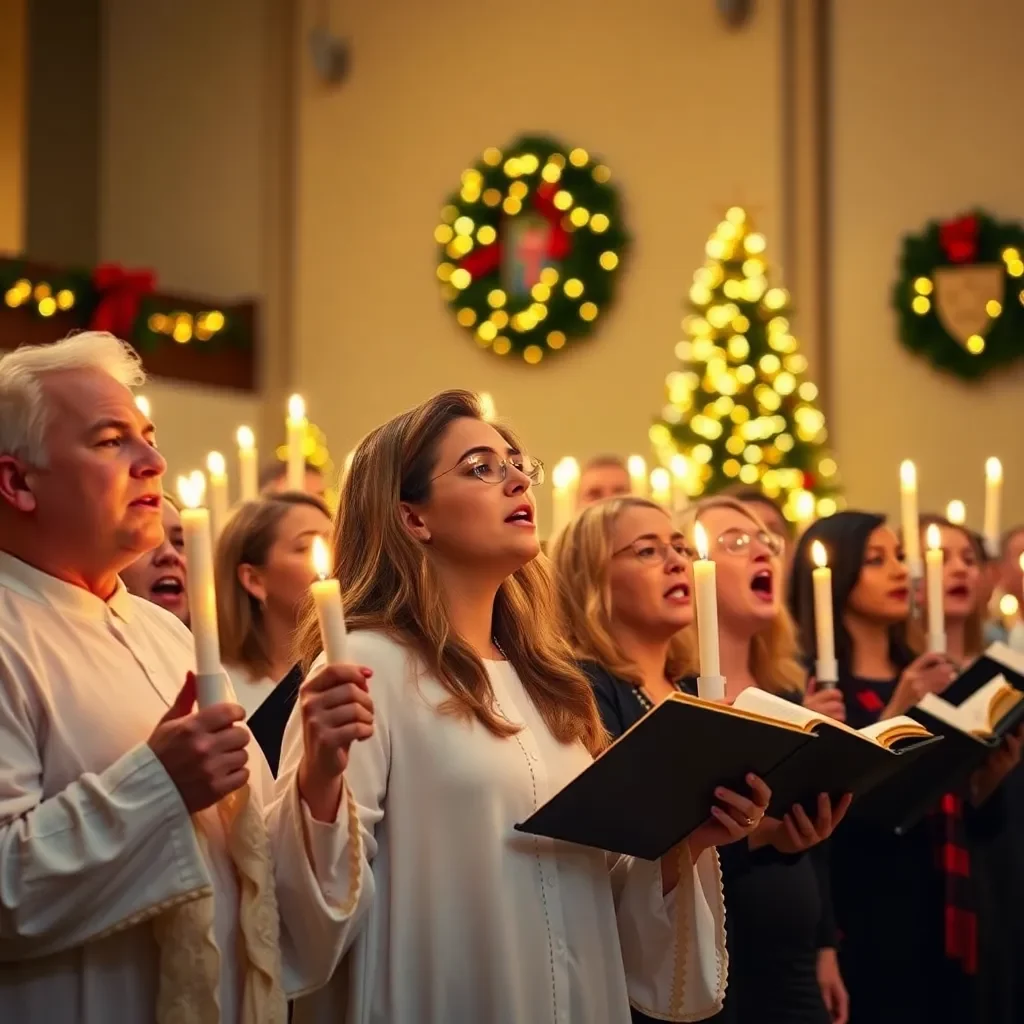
141, 878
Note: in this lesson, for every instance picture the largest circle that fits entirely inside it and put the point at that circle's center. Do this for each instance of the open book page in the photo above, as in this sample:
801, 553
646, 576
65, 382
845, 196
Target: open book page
890, 731
761, 702
980, 713
764, 714
1008, 656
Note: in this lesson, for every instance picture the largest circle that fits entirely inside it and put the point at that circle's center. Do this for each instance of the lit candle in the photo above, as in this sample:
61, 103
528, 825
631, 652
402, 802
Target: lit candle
680, 467
933, 560
566, 478
219, 504
637, 468
993, 500
296, 443
804, 506
142, 404
488, 410
327, 600
248, 474
956, 513
661, 486
202, 596
908, 517
710, 683
826, 671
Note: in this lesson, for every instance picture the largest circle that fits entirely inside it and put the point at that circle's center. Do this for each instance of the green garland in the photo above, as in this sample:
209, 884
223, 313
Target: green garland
564, 199
967, 242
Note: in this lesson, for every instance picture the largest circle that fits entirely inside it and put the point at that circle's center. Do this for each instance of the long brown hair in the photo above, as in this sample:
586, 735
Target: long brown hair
388, 583
582, 556
774, 652
246, 539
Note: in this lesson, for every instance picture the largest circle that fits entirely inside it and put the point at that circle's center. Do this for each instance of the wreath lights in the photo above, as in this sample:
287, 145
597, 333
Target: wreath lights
530, 247
959, 298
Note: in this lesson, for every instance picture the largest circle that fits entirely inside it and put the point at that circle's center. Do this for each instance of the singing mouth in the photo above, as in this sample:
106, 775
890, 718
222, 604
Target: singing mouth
168, 586
678, 593
523, 515
148, 501
960, 591
763, 584
900, 594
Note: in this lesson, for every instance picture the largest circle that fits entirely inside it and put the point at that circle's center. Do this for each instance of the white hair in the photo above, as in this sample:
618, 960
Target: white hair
23, 409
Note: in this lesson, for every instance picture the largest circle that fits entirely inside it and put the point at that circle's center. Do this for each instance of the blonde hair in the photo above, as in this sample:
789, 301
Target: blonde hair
23, 410
389, 584
582, 557
774, 652
974, 624
246, 539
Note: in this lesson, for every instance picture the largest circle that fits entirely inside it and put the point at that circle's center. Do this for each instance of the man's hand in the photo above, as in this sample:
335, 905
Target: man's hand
204, 753
336, 710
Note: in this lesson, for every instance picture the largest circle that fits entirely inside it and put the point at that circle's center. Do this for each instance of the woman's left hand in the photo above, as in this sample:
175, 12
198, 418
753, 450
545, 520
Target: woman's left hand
796, 832
737, 818
985, 781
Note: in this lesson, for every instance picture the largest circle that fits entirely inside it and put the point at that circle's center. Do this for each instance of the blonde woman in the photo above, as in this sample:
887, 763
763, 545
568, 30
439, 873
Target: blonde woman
624, 583
480, 715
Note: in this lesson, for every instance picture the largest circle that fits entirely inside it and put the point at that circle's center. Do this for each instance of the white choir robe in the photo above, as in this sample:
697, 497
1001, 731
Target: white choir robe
473, 922
94, 838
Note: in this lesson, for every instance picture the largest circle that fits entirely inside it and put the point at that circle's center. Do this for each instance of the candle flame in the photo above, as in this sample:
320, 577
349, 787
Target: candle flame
565, 473
192, 489
246, 438
1008, 605
680, 466
637, 466
993, 470
296, 409
805, 506
700, 540
908, 475
661, 481
933, 538
488, 410
956, 513
321, 558
819, 555
142, 404
216, 465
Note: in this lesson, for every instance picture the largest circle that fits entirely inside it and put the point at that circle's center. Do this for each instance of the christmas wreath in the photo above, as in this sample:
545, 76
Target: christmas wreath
530, 247
960, 294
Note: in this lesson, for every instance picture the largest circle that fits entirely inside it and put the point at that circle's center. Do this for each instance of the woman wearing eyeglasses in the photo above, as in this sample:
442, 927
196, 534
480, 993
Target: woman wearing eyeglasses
624, 583
480, 716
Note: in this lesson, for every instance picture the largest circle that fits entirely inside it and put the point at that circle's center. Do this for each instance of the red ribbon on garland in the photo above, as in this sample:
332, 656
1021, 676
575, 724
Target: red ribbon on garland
120, 292
959, 239
487, 259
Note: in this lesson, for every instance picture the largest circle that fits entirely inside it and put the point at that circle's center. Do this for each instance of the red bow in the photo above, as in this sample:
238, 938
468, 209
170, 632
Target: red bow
120, 292
959, 239
487, 259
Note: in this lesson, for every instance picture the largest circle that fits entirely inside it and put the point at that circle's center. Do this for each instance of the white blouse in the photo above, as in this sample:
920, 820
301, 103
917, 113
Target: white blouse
468, 921
95, 841
250, 693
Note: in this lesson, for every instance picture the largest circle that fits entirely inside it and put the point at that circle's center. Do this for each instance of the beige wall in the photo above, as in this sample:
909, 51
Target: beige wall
925, 126
684, 112
12, 123
182, 175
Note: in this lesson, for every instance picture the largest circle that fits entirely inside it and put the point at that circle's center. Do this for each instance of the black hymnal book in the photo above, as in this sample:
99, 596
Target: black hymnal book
655, 785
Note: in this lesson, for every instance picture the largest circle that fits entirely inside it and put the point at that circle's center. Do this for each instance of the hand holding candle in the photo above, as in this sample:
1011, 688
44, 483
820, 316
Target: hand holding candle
710, 683
909, 519
326, 592
202, 595
248, 474
993, 502
936, 591
297, 425
826, 671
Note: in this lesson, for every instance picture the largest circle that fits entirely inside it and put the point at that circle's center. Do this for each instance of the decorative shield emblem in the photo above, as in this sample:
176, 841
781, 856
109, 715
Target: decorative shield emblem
962, 295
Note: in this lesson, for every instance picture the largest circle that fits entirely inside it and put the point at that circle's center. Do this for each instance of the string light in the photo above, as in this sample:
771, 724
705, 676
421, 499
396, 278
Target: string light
183, 327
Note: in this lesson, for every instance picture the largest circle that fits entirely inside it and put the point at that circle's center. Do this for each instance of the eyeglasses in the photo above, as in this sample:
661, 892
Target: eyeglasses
652, 551
491, 468
736, 542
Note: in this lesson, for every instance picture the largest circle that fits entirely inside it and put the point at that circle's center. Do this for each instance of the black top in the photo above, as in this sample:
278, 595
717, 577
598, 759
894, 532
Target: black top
776, 916
267, 722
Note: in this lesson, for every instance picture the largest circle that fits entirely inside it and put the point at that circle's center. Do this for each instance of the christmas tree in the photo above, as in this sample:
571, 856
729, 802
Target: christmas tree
740, 408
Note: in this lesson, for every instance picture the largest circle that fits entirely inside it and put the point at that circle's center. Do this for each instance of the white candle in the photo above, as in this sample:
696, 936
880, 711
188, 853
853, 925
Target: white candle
488, 410
680, 468
327, 600
827, 669
637, 468
661, 486
956, 513
908, 518
565, 478
248, 474
993, 501
296, 443
202, 595
142, 404
710, 684
933, 559
219, 504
